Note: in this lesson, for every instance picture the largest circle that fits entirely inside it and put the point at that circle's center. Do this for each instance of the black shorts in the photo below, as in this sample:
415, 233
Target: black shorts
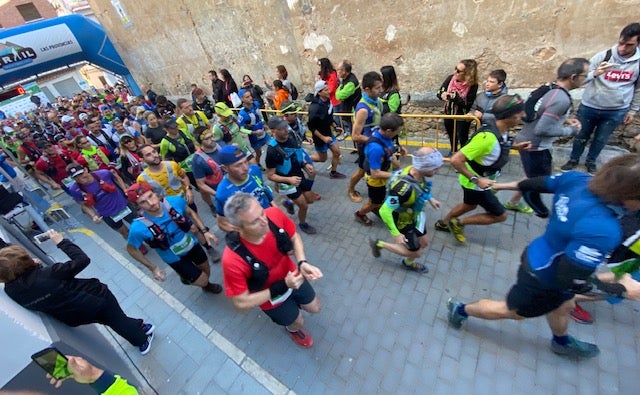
537, 163
287, 312
360, 149
529, 299
377, 194
413, 236
117, 225
305, 186
485, 199
187, 266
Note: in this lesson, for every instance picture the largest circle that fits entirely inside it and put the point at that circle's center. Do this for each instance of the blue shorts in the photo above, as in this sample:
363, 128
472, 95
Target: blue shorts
323, 148
287, 312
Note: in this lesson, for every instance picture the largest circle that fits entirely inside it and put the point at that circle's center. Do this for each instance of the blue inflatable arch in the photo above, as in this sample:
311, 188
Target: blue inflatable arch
35, 48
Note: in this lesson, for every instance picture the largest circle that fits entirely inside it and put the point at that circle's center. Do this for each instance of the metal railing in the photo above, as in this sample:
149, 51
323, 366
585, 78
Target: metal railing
419, 130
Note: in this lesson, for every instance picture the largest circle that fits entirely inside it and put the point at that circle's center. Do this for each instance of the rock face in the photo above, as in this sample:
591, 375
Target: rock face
174, 43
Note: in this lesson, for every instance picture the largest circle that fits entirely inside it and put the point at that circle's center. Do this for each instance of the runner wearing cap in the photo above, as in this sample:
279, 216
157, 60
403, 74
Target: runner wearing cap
240, 177
320, 124
408, 190
227, 132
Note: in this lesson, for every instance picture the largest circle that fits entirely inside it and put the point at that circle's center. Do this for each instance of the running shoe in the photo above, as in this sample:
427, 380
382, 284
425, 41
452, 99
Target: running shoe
354, 196
521, 207
441, 226
308, 229
375, 250
301, 338
455, 318
363, 219
146, 346
457, 230
288, 204
416, 267
572, 164
581, 316
212, 288
575, 349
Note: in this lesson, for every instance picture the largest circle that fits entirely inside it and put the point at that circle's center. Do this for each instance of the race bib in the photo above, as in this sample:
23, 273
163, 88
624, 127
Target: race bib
183, 246
123, 213
286, 189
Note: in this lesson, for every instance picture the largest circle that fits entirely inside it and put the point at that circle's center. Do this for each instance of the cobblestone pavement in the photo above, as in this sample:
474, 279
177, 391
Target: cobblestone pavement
382, 329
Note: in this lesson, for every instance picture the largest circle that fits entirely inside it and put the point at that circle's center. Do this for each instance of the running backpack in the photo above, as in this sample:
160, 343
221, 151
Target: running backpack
294, 91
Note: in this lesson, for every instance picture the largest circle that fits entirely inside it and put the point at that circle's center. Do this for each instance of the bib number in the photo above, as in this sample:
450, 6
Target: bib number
123, 213
183, 246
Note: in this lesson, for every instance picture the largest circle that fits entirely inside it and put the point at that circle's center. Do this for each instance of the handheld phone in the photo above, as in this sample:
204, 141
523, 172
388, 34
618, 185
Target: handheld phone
52, 361
42, 237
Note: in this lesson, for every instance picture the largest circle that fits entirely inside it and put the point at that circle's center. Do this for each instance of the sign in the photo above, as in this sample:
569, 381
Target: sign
36, 47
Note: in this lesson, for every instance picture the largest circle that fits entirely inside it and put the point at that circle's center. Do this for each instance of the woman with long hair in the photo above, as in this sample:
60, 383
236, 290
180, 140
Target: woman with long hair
458, 91
328, 74
230, 86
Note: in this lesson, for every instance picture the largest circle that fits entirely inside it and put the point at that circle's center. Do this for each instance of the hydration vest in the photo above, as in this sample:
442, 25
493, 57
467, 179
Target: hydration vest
212, 179
505, 147
386, 160
159, 238
174, 182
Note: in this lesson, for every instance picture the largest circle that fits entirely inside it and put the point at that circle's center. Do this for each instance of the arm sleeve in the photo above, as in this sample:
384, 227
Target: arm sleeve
344, 92
394, 102
390, 204
555, 104
109, 384
79, 261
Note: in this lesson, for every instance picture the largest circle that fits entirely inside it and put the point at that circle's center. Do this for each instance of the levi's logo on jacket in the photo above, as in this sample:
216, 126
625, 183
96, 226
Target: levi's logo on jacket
618, 75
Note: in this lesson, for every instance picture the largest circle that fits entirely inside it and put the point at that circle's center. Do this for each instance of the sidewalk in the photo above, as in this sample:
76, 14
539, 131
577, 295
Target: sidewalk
382, 329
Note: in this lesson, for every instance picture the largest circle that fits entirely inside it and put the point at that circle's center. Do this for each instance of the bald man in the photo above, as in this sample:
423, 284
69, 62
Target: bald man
408, 191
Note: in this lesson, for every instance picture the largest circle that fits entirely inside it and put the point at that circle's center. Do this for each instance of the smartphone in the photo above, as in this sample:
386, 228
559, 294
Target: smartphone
53, 362
42, 237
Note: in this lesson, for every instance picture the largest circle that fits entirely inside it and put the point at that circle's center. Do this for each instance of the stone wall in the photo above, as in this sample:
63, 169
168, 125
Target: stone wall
174, 43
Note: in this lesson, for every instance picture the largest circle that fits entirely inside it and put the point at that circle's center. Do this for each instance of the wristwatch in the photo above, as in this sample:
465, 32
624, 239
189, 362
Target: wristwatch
473, 179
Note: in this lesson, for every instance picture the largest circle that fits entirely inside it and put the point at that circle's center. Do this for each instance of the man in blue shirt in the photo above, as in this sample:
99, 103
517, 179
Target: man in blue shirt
583, 229
240, 176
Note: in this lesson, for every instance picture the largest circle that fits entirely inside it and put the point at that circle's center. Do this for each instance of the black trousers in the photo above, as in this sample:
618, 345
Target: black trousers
461, 135
110, 314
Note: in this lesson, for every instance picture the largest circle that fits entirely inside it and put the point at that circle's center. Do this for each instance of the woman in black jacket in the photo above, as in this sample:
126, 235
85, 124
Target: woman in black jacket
74, 301
458, 91
230, 86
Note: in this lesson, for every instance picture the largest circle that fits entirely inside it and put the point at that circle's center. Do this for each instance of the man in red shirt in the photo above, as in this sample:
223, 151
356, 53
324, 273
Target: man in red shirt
258, 270
51, 167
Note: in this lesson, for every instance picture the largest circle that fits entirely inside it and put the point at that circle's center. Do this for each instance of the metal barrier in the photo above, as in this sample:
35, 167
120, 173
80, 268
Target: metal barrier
419, 130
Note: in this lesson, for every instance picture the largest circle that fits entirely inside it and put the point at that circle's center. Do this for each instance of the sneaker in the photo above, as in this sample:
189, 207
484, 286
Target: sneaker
146, 346
288, 204
572, 164
212, 288
214, 255
143, 249
336, 175
441, 226
521, 207
308, 229
416, 267
591, 168
457, 230
581, 316
375, 250
301, 337
148, 328
363, 219
355, 196
455, 319
575, 349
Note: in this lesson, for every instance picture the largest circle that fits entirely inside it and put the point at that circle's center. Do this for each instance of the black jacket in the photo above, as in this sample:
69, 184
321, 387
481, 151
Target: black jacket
320, 118
55, 290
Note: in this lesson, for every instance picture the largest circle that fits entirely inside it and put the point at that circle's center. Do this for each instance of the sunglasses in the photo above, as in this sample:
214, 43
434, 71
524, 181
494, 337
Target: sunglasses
458, 71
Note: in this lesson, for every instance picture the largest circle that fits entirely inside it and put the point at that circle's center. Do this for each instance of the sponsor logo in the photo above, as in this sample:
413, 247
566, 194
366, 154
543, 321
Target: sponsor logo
588, 254
562, 208
618, 75
13, 56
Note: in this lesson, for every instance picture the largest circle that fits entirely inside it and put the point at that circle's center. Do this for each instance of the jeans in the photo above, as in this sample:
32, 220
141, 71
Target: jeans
603, 123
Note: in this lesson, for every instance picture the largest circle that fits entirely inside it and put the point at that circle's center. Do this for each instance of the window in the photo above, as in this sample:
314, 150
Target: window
29, 12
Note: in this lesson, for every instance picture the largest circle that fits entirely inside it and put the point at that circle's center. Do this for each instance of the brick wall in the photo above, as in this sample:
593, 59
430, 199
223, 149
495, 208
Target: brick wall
11, 17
